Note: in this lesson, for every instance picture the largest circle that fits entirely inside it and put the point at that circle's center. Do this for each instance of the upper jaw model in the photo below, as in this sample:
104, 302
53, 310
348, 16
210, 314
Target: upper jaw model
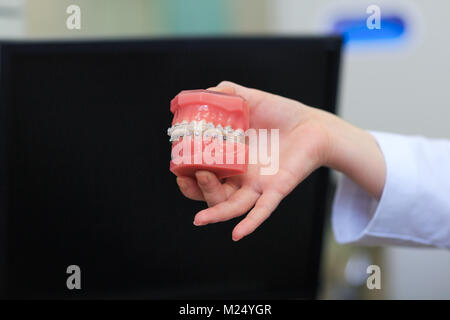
213, 117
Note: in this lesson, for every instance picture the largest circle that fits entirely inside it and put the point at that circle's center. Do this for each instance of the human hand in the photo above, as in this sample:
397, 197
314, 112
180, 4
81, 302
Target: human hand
308, 139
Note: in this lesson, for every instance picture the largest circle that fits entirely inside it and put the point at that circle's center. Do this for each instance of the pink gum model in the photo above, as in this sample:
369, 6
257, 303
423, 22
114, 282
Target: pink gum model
203, 113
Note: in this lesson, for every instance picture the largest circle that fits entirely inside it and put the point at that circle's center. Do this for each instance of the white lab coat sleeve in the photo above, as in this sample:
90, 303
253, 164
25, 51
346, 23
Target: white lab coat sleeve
414, 208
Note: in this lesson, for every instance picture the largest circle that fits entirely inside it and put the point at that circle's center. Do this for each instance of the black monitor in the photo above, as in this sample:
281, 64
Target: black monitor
84, 170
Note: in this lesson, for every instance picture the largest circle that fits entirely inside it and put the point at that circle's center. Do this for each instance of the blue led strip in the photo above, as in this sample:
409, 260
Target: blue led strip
355, 30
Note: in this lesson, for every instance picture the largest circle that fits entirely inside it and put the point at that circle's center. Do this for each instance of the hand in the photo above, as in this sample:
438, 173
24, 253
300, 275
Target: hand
309, 138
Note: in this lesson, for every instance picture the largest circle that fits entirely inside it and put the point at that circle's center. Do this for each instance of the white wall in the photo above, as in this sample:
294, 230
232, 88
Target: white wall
12, 21
404, 90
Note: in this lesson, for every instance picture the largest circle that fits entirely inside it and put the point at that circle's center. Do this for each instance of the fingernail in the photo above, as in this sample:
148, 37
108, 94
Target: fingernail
198, 220
197, 224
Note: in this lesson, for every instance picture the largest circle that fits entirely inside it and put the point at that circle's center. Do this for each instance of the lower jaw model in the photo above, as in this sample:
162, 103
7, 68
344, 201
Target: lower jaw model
208, 133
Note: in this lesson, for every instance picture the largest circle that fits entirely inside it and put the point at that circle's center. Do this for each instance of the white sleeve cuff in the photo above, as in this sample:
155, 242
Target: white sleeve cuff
402, 216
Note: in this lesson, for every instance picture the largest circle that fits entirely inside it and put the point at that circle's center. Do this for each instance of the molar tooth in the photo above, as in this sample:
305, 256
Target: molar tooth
173, 127
178, 130
177, 133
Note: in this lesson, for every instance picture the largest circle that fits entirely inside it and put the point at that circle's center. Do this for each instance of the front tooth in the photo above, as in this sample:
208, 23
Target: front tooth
185, 128
213, 132
199, 127
191, 126
228, 131
202, 125
240, 136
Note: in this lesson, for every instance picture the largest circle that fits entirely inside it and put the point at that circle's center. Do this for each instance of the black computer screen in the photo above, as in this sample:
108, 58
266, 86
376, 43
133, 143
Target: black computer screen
84, 171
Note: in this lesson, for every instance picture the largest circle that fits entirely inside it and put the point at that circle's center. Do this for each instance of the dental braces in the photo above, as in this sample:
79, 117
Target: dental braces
207, 130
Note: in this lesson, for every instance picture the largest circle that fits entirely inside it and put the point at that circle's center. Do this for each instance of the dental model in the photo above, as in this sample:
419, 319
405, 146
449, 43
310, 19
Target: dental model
208, 133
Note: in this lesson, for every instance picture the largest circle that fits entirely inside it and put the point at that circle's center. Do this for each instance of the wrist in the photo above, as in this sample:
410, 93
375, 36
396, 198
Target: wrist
356, 153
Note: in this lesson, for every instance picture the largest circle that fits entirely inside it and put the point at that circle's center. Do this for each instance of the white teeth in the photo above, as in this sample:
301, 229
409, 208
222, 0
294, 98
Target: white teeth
212, 132
228, 130
177, 133
198, 128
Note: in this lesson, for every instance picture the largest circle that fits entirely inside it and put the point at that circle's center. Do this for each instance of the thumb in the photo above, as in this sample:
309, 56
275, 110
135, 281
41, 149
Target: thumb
244, 92
253, 96
269, 110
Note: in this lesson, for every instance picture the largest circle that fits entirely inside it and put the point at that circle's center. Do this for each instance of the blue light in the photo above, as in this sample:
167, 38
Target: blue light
354, 30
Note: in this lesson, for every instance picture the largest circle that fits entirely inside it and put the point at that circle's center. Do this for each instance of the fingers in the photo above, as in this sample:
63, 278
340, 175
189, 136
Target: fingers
223, 89
189, 188
239, 203
264, 207
268, 110
228, 85
206, 187
253, 96
213, 191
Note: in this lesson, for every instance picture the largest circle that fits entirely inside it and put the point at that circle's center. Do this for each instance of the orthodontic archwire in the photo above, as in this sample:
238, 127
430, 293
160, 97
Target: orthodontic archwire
205, 129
